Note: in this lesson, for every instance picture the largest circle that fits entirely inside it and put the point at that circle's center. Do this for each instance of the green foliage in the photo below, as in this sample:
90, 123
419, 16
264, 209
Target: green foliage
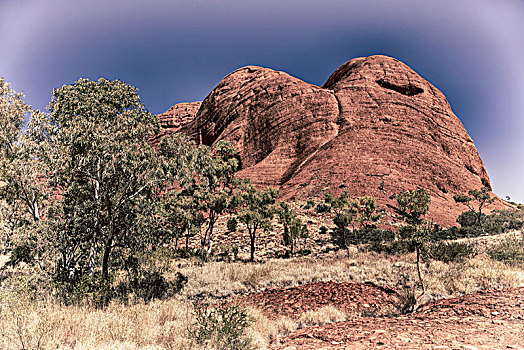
340, 235
213, 191
361, 214
148, 286
367, 212
508, 220
221, 327
411, 206
24, 252
106, 176
510, 250
452, 251
232, 225
400, 247
482, 198
323, 208
94, 289
309, 204
256, 211
22, 188
294, 229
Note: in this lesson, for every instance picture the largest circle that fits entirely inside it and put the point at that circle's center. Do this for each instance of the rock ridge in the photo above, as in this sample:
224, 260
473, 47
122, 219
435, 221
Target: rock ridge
374, 127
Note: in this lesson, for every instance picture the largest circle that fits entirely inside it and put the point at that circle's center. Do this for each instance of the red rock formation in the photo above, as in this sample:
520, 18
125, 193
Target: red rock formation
175, 118
375, 121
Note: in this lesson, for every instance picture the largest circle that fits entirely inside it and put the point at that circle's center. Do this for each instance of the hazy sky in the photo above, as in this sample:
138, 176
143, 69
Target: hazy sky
175, 51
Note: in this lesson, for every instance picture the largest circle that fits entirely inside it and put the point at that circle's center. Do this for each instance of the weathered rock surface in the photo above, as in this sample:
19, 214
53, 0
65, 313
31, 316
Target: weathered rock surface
351, 298
373, 128
490, 319
176, 117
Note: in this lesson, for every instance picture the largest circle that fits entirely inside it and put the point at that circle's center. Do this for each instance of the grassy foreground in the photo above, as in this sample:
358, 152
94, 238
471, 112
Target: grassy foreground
42, 323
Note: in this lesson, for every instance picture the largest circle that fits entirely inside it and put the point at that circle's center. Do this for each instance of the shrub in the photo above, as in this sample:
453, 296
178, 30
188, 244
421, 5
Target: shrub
221, 327
508, 220
323, 230
392, 248
232, 225
510, 250
86, 289
452, 251
186, 253
440, 234
376, 235
309, 204
322, 208
149, 286
22, 253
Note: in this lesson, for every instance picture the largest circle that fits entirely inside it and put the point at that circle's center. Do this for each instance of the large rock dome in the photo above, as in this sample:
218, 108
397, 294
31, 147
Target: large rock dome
374, 128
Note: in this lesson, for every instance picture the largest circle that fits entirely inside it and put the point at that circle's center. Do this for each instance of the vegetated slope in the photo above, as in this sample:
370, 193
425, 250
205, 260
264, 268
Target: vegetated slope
373, 128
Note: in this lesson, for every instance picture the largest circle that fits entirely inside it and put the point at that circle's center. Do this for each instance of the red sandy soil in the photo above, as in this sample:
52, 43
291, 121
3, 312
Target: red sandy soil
488, 319
361, 298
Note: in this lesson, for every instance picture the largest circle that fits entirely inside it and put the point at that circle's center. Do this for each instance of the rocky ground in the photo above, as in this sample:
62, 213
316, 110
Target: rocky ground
351, 298
487, 319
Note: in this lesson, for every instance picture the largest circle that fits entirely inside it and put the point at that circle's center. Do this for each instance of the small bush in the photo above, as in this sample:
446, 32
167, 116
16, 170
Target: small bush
184, 253
232, 225
323, 208
22, 253
149, 286
86, 289
406, 300
392, 248
309, 204
323, 230
452, 252
221, 327
510, 250
376, 235
508, 220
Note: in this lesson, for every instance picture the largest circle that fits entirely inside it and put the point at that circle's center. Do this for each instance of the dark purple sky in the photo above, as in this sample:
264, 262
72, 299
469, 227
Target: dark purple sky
175, 51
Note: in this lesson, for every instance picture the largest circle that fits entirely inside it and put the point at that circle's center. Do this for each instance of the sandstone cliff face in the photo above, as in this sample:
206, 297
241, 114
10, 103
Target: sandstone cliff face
176, 117
373, 128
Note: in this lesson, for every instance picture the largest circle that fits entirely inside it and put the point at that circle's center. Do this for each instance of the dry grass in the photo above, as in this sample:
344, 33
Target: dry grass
164, 324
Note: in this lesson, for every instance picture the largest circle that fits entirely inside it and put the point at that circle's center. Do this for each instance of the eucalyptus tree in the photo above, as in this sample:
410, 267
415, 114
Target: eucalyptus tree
257, 208
411, 206
107, 176
22, 184
214, 188
366, 212
344, 218
294, 228
482, 199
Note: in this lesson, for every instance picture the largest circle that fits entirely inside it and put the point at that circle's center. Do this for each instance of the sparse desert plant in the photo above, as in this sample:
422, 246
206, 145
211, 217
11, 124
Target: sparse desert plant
482, 199
232, 225
510, 250
256, 211
452, 251
407, 299
294, 229
411, 206
309, 204
221, 327
508, 220
323, 208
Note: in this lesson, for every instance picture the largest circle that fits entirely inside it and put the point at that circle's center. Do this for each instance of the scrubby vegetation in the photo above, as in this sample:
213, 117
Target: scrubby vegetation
107, 241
